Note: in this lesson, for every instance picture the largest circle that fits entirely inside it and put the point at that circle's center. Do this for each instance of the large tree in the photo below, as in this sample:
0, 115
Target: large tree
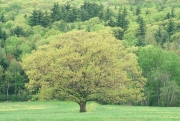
82, 66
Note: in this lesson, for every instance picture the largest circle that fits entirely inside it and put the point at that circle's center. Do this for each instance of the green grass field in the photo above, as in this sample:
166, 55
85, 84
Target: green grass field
68, 111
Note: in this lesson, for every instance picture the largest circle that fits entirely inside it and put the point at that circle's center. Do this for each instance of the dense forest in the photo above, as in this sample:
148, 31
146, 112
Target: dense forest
148, 28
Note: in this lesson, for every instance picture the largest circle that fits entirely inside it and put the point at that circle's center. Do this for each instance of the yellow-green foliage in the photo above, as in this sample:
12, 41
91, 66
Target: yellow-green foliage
82, 66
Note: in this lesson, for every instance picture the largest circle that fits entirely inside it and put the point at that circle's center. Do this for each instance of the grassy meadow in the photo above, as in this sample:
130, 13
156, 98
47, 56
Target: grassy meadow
68, 111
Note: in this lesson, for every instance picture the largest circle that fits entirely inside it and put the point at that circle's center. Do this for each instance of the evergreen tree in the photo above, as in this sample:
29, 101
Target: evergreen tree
138, 10
0, 33
118, 33
18, 31
40, 17
108, 14
34, 18
121, 20
55, 15
4, 35
75, 13
111, 22
2, 18
170, 28
125, 12
165, 38
141, 32
172, 12
101, 15
93, 9
141, 29
46, 20
161, 36
139, 19
67, 6
63, 13
168, 16
158, 35
131, 8
83, 15
140, 42
71, 15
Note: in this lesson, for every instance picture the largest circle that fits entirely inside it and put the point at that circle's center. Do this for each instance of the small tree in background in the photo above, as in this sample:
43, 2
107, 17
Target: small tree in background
141, 31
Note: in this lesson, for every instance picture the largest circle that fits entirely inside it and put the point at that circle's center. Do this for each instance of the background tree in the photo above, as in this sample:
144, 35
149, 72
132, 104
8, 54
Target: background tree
40, 17
3, 58
12, 44
46, 19
55, 15
161, 68
168, 16
7, 84
3, 37
1, 78
138, 10
122, 22
121, 19
79, 67
108, 14
17, 31
118, 32
2, 18
158, 35
161, 36
141, 31
17, 81
172, 12
170, 28
72, 15
33, 21
111, 22
93, 9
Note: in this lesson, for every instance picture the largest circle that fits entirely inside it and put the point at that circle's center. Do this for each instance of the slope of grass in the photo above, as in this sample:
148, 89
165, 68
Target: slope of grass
68, 111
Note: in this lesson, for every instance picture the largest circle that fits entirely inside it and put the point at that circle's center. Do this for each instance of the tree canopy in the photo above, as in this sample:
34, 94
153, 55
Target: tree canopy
161, 68
82, 66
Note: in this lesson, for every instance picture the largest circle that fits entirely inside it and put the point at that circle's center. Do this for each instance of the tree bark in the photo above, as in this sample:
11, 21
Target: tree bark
7, 92
82, 107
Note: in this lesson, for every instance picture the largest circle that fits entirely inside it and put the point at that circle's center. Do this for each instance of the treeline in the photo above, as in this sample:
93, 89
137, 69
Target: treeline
135, 24
162, 71
67, 13
115, 18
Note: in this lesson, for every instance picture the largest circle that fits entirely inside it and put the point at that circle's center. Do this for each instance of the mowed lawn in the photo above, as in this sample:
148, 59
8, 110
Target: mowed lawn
69, 111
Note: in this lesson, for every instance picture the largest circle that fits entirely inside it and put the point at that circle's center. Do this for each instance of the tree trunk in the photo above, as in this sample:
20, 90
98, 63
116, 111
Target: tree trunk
82, 107
7, 92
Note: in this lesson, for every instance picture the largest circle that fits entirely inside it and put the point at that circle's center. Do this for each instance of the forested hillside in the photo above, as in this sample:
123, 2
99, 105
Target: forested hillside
150, 29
